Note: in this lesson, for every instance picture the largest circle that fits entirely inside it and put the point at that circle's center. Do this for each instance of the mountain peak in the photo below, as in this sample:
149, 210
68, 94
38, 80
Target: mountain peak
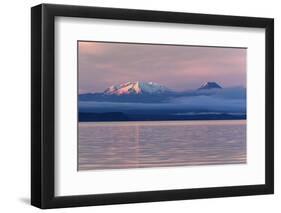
209, 85
136, 87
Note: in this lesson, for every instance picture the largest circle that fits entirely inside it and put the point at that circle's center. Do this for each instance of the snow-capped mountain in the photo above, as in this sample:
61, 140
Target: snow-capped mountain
209, 85
148, 101
136, 88
147, 92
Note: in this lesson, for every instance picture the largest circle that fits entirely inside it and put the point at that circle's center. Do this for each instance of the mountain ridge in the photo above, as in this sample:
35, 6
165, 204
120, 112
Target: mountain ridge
136, 87
139, 87
147, 92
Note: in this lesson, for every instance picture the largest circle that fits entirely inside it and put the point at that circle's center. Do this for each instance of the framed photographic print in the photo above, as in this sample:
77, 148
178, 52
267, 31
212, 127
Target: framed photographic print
139, 106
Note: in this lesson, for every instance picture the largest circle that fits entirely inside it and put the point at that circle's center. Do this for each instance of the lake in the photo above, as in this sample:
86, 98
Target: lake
120, 145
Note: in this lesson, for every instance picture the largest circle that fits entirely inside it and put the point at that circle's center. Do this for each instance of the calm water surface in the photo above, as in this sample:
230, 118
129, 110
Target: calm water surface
167, 143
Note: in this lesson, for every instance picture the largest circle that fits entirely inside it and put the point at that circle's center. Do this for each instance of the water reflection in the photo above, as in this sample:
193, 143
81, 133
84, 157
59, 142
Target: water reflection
153, 144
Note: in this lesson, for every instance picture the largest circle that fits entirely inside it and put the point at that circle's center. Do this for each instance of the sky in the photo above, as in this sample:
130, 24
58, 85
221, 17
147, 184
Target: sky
180, 68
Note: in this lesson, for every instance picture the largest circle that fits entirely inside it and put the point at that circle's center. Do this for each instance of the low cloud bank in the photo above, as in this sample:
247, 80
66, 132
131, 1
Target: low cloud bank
226, 100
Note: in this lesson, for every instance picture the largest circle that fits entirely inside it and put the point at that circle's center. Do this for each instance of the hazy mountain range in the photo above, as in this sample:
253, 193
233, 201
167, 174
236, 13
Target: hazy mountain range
153, 101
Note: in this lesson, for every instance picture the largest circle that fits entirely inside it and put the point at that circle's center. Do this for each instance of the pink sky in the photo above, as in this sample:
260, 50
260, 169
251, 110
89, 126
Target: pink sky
102, 64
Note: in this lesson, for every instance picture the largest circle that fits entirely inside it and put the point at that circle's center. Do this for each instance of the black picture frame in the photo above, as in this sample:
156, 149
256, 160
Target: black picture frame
43, 111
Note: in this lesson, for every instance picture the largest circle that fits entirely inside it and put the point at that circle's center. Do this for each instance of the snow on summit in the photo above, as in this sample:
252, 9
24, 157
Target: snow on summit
210, 85
136, 88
